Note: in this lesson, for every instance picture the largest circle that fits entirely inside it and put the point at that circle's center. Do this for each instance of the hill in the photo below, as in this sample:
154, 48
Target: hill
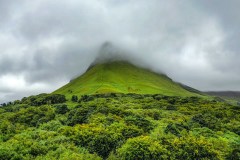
122, 77
234, 95
146, 116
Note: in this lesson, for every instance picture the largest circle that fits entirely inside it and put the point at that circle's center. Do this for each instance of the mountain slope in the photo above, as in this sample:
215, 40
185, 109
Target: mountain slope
234, 95
122, 77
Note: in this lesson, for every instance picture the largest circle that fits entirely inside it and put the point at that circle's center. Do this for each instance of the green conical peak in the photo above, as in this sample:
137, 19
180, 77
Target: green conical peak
122, 77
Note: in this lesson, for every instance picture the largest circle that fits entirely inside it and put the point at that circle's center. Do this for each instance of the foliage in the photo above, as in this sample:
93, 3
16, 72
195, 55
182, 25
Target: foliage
142, 147
43, 99
188, 148
139, 121
74, 98
207, 120
33, 116
61, 109
119, 126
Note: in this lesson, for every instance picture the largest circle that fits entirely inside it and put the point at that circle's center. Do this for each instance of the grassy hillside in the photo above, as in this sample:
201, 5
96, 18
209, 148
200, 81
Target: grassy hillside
122, 77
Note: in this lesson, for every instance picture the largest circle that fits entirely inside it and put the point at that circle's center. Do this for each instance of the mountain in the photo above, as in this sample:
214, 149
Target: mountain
122, 77
235, 95
95, 126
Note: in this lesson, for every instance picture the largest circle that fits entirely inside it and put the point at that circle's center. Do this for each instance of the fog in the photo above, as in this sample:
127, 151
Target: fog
44, 43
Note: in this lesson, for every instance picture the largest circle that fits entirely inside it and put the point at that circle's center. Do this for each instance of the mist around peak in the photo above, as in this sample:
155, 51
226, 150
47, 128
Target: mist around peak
109, 52
112, 52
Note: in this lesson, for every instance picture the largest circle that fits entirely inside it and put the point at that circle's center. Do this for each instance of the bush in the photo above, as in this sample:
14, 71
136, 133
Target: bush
53, 125
74, 98
79, 115
33, 116
171, 107
6, 154
86, 98
96, 139
131, 131
238, 103
176, 128
139, 121
188, 148
234, 155
61, 109
142, 147
43, 99
207, 120
56, 98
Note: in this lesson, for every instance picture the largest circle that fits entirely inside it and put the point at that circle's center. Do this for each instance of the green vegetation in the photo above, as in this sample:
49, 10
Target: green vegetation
118, 126
122, 77
117, 111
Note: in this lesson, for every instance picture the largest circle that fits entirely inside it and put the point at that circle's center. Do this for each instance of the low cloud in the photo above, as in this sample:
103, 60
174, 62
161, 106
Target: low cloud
45, 43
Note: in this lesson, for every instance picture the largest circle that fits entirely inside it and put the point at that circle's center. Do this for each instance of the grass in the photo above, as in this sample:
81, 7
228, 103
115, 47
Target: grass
122, 77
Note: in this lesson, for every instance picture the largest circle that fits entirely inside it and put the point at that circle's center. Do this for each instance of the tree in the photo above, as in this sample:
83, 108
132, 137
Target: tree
74, 98
190, 147
207, 120
61, 109
142, 147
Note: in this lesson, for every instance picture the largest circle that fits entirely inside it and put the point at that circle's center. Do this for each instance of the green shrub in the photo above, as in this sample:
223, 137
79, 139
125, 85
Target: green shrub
234, 155
139, 121
56, 98
207, 120
6, 154
171, 107
74, 98
33, 116
176, 128
79, 115
189, 147
53, 125
86, 98
96, 139
131, 131
61, 109
143, 148
43, 99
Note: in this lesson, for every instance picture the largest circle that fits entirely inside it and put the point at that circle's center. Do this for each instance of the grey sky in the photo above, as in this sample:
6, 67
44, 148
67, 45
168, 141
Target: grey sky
43, 44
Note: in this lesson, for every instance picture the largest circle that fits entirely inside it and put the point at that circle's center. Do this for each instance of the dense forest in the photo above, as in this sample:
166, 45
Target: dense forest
118, 127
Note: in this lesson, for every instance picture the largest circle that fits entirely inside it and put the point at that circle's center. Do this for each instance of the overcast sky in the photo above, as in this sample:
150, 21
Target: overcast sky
44, 43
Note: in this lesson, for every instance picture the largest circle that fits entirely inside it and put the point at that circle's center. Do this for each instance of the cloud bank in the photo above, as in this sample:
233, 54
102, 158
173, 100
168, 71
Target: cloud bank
44, 43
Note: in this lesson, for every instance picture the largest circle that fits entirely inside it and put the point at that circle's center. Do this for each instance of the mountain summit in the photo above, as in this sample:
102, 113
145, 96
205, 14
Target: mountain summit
108, 52
122, 77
